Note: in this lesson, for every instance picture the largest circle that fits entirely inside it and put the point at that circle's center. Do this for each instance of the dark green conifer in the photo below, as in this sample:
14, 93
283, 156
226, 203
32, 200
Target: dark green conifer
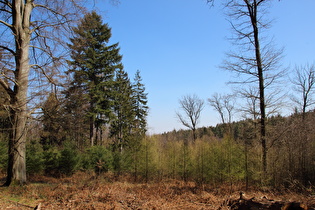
121, 126
94, 63
140, 105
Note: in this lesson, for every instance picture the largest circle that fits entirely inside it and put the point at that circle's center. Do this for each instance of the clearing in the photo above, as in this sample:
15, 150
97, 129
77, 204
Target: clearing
84, 191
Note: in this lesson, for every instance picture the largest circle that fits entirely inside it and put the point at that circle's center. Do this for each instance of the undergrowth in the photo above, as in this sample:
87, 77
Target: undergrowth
88, 191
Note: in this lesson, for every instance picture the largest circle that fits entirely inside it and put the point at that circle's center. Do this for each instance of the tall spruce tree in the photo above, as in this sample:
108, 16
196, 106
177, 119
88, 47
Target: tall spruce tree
121, 126
139, 126
140, 105
94, 63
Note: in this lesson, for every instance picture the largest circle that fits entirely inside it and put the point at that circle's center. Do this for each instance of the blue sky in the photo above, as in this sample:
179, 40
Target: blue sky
179, 44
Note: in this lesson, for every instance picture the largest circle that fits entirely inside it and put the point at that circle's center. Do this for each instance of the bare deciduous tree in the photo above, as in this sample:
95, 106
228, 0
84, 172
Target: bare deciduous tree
32, 38
216, 102
192, 107
304, 86
256, 61
224, 105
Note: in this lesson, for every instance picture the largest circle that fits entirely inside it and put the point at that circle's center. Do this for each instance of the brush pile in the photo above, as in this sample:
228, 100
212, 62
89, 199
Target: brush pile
263, 203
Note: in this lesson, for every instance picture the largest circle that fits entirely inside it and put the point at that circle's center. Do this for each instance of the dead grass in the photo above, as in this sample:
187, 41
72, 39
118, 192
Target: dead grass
84, 191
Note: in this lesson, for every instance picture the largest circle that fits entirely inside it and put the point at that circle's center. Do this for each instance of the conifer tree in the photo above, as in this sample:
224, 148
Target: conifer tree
94, 63
140, 104
139, 125
120, 128
52, 126
76, 122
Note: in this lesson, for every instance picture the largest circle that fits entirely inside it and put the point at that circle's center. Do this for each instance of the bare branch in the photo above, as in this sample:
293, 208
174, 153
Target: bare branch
49, 78
50, 9
6, 87
6, 24
183, 121
8, 49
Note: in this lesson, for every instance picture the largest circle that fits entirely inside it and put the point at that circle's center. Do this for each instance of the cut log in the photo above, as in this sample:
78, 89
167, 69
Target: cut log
253, 204
38, 207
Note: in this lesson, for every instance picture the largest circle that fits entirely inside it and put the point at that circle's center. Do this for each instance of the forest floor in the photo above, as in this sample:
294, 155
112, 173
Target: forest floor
84, 191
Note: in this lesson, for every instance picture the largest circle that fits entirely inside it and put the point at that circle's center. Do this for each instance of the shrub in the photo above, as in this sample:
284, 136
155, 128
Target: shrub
34, 158
98, 158
51, 161
68, 160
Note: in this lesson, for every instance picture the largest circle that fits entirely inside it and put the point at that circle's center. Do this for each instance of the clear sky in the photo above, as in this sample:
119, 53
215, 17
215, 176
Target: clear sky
179, 44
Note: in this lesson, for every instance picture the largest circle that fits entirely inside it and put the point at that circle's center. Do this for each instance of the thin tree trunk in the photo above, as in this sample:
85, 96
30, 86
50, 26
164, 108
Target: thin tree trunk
92, 131
194, 133
146, 161
253, 15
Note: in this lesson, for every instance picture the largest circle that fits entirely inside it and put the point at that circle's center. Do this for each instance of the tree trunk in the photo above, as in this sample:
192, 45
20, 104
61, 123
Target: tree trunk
252, 9
92, 131
194, 133
16, 170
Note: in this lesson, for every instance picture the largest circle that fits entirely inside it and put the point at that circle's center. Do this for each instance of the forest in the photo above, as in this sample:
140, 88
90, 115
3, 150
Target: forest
73, 132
